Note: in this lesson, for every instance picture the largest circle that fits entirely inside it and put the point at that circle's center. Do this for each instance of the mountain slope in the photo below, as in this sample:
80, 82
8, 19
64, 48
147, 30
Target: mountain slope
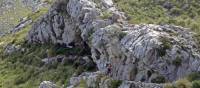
94, 44
185, 13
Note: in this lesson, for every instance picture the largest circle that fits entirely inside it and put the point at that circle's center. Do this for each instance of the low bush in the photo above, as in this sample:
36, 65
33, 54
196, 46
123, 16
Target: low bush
183, 83
196, 84
159, 79
193, 76
177, 62
115, 83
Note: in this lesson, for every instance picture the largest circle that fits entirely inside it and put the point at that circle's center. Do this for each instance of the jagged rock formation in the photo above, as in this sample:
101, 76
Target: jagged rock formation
144, 52
81, 19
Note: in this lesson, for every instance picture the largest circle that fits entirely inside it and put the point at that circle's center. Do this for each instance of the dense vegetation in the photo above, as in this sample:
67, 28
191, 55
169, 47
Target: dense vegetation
25, 69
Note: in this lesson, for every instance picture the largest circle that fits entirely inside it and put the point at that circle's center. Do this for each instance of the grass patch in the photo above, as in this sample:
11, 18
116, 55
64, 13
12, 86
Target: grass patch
82, 84
36, 15
27, 71
184, 13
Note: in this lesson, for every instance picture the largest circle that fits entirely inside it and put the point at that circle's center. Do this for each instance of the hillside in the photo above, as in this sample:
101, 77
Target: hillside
100, 44
185, 13
13, 11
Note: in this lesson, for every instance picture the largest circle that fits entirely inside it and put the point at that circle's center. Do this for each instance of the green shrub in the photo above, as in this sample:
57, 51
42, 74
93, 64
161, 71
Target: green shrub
23, 78
196, 84
51, 52
122, 35
177, 62
193, 76
166, 44
79, 70
62, 51
115, 83
159, 79
183, 83
169, 85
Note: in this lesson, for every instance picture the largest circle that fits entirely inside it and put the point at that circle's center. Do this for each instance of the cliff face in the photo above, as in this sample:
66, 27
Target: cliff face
144, 52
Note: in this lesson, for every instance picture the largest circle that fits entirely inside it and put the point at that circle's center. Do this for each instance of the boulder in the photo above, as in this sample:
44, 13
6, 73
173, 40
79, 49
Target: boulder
56, 59
47, 84
139, 51
11, 48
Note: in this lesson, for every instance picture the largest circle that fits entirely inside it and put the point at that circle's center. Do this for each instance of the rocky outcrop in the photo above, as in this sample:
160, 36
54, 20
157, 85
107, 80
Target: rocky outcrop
22, 24
70, 22
147, 53
56, 59
10, 49
47, 84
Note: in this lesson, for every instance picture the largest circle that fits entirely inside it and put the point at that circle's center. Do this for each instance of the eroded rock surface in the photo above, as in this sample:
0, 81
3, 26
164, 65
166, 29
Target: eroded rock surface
145, 52
71, 21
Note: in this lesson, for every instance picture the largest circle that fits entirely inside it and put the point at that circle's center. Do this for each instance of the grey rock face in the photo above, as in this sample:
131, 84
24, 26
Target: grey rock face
145, 50
81, 18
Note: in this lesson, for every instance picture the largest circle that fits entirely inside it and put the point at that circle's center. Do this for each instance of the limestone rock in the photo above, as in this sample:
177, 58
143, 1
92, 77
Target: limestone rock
69, 22
10, 49
142, 50
51, 60
47, 84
